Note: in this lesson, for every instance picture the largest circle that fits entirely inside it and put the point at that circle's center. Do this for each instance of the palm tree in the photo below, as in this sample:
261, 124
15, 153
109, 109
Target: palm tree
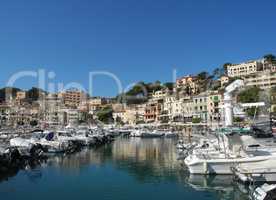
269, 58
216, 72
225, 65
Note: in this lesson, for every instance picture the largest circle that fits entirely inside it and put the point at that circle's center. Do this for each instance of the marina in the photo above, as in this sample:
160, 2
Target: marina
229, 159
149, 159
138, 100
128, 168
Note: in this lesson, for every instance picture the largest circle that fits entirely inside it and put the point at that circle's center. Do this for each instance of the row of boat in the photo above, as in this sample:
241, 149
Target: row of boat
21, 151
144, 133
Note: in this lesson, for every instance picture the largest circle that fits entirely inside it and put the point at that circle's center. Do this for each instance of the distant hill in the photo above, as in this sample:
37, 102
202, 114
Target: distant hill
34, 93
7, 92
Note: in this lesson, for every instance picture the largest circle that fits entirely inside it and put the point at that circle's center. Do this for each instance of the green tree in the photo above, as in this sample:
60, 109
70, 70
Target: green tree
216, 72
270, 58
8, 92
105, 115
169, 85
35, 93
225, 65
204, 80
249, 95
196, 120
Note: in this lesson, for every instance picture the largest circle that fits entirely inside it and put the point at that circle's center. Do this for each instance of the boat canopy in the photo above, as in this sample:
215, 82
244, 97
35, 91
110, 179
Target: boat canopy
50, 136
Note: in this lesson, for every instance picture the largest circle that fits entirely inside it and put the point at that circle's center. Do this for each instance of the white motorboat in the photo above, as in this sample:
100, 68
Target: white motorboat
50, 143
170, 134
219, 164
21, 142
84, 137
153, 134
136, 133
257, 172
227, 154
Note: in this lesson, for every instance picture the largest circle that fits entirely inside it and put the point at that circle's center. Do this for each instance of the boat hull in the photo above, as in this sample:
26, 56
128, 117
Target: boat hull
219, 166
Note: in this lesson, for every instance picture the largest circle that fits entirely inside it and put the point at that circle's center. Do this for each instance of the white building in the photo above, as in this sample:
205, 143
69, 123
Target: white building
264, 79
214, 107
168, 106
160, 94
52, 109
244, 69
200, 107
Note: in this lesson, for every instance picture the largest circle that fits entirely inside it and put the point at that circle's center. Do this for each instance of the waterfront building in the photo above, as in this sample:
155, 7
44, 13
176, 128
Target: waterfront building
5, 114
177, 111
22, 115
182, 109
167, 113
153, 110
214, 105
130, 115
52, 110
244, 69
187, 108
70, 116
200, 107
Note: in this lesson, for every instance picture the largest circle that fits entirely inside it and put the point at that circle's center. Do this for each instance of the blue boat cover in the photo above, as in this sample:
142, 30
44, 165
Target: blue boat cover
49, 136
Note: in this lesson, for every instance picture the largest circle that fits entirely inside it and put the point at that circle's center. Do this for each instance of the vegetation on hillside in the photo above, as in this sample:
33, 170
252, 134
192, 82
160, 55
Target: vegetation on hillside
34, 94
270, 58
249, 95
140, 92
7, 92
105, 115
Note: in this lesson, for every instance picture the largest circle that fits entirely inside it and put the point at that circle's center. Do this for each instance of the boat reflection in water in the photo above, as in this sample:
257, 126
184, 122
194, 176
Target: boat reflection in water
130, 168
222, 185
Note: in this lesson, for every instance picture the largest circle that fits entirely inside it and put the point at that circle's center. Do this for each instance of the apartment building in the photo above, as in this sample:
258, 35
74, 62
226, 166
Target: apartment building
264, 79
244, 69
187, 109
214, 105
187, 82
182, 109
73, 97
200, 107
52, 110
96, 104
168, 107
160, 94
70, 116
153, 110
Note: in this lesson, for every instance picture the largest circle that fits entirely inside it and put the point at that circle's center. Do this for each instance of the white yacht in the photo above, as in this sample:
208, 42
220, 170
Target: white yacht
229, 152
152, 134
257, 172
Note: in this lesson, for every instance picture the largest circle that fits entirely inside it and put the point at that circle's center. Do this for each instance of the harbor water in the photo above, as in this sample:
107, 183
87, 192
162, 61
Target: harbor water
128, 168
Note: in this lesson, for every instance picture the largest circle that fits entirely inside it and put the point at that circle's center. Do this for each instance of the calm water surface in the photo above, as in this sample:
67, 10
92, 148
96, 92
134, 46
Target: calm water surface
127, 169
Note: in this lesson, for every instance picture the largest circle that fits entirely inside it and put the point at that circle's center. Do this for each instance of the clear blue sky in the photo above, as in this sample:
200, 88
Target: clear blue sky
134, 39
